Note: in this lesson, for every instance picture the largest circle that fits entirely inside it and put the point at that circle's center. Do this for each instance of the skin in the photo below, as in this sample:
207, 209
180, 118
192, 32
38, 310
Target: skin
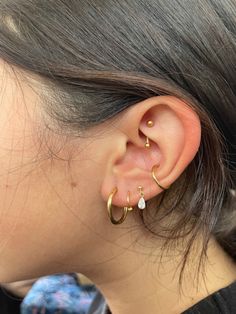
53, 211
21, 288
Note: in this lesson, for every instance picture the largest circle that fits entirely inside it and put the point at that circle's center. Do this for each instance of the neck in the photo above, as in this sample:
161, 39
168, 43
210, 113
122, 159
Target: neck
135, 282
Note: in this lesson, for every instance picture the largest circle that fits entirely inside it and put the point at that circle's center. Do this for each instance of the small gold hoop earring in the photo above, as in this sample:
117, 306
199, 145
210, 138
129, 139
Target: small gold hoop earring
155, 179
109, 209
129, 208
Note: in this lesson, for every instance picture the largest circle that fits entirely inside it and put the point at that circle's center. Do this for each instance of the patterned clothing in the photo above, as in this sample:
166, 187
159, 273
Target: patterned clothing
63, 294
58, 294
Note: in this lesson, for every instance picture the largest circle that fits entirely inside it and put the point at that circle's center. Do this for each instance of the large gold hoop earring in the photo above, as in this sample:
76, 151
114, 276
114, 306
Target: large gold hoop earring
109, 209
155, 179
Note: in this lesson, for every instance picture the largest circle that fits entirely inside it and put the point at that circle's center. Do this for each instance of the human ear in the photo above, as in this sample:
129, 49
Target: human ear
174, 141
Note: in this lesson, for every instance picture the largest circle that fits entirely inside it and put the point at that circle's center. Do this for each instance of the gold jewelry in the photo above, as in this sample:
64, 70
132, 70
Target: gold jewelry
141, 203
129, 208
147, 144
155, 179
125, 209
150, 124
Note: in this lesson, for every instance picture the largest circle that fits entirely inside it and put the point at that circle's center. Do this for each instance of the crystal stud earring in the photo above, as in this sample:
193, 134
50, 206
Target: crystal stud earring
141, 203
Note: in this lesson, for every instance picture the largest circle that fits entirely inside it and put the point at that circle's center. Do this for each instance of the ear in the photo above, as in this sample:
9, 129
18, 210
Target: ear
174, 139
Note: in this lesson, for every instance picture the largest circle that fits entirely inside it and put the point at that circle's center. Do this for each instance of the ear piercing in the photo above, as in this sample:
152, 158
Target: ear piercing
110, 209
129, 208
150, 124
141, 202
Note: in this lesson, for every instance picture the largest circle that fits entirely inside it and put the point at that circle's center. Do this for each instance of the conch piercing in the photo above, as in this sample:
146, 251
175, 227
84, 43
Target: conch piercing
155, 179
141, 202
150, 124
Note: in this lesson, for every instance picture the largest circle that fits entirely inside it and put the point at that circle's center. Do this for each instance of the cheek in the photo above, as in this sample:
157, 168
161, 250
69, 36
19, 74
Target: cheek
24, 198
45, 209
30, 207
44, 200
32, 221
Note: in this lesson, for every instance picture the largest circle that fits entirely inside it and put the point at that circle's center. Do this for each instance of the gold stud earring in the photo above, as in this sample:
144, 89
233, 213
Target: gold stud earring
150, 124
141, 203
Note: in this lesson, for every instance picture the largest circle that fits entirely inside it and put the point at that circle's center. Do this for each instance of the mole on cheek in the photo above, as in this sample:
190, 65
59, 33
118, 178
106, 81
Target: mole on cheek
73, 184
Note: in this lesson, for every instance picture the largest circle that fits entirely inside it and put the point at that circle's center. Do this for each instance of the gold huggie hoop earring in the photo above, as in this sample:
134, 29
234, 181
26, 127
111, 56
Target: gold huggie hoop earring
150, 124
109, 208
129, 208
155, 179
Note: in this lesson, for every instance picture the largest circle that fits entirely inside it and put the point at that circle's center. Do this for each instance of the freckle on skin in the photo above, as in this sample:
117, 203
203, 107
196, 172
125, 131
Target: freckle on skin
73, 184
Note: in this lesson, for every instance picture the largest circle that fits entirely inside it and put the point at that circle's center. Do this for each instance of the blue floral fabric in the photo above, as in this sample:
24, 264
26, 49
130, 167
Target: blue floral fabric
58, 294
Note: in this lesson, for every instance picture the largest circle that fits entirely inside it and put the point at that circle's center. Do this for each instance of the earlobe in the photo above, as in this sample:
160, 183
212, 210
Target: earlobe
169, 132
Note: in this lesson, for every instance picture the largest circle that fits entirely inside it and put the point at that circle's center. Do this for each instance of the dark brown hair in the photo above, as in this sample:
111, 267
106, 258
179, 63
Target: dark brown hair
101, 57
